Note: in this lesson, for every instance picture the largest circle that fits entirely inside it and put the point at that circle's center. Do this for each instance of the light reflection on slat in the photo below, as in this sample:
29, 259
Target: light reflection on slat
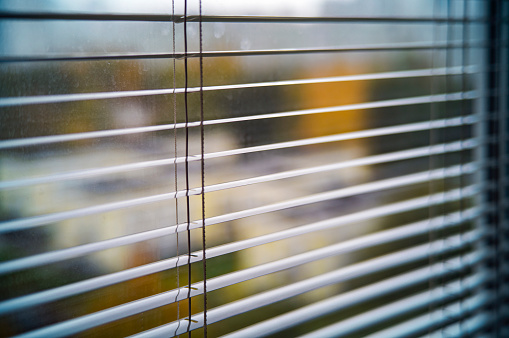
60, 98
32, 141
36, 221
356, 270
442, 293
38, 298
401, 257
382, 211
394, 47
151, 17
398, 129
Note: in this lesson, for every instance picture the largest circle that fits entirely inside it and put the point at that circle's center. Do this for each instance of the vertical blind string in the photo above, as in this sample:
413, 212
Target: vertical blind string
175, 151
202, 139
188, 209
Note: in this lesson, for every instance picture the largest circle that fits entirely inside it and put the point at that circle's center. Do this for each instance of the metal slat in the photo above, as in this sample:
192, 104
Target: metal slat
151, 17
11, 101
356, 296
36, 221
42, 297
454, 311
354, 271
34, 141
368, 160
80, 324
419, 301
130, 239
463, 328
394, 47
58, 98
384, 131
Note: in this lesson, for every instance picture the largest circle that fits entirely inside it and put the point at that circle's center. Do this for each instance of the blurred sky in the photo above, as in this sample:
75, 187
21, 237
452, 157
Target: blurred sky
53, 36
228, 7
293, 7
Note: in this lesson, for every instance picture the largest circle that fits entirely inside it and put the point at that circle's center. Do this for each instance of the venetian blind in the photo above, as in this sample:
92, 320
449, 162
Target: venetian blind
313, 168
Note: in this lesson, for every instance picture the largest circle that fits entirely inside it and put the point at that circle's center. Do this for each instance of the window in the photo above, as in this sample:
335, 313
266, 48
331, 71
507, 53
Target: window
352, 156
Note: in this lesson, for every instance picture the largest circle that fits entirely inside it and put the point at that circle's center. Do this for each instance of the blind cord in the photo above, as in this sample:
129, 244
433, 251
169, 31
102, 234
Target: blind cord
176, 155
186, 162
202, 139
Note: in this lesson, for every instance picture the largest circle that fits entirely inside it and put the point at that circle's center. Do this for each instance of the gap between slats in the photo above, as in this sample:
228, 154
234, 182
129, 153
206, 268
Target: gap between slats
110, 279
384, 131
425, 176
357, 296
394, 47
130, 239
102, 317
61, 98
443, 293
272, 296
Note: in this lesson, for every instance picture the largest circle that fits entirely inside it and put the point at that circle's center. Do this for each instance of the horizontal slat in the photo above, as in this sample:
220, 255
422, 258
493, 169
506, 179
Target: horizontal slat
381, 185
398, 129
369, 160
356, 296
42, 297
406, 46
454, 311
350, 272
444, 293
464, 327
392, 130
55, 256
230, 18
328, 19
36, 221
80, 324
60, 98
40, 140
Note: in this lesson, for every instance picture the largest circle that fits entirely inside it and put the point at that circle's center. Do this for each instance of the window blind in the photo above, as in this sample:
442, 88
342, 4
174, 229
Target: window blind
214, 168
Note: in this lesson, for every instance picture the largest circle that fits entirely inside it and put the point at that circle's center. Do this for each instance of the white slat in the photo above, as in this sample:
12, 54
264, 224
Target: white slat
35, 221
38, 298
373, 265
441, 293
87, 173
83, 323
350, 298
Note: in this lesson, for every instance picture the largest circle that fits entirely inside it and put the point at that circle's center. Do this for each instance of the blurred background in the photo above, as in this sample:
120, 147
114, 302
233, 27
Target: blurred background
114, 177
